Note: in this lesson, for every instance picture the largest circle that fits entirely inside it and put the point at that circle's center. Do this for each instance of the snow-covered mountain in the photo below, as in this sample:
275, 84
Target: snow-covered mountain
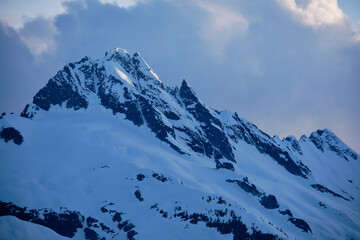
107, 151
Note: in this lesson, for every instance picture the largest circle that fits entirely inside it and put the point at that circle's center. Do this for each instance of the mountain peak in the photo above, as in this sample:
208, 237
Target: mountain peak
189, 166
325, 131
326, 140
325, 135
144, 71
187, 94
184, 83
117, 51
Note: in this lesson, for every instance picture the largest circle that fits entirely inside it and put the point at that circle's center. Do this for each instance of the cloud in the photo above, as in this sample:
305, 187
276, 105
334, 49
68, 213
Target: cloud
357, 34
123, 3
39, 35
315, 13
20, 75
16, 13
220, 26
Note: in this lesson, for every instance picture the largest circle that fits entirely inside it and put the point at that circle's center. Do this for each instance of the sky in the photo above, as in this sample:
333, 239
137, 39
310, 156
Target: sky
289, 66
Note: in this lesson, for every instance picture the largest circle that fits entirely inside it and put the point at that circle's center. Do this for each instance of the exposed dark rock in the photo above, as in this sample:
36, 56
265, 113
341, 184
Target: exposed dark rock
90, 222
162, 212
117, 217
91, 234
224, 165
57, 91
221, 201
324, 189
318, 142
11, 133
138, 195
159, 177
126, 226
65, 223
233, 225
265, 144
299, 223
103, 210
27, 113
130, 234
154, 120
268, 201
321, 204
106, 229
197, 142
295, 146
129, 107
220, 213
211, 126
246, 186
171, 115
286, 212
140, 177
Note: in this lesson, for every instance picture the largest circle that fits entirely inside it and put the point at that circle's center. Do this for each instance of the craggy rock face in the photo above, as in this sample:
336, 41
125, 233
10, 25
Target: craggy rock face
11, 134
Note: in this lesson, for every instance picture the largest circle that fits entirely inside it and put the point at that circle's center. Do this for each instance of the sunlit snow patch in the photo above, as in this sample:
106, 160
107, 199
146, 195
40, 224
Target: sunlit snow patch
124, 77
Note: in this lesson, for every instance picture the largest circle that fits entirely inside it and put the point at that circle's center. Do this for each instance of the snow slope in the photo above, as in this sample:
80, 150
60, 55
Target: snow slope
106, 150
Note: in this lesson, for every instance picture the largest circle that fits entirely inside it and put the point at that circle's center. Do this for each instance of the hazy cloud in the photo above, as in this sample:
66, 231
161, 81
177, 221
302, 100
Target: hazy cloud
222, 24
315, 13
16, 12
20, 75
357, 34
123, 3
39, 35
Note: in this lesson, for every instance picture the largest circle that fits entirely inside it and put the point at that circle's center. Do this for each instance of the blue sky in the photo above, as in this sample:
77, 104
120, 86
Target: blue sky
289, 66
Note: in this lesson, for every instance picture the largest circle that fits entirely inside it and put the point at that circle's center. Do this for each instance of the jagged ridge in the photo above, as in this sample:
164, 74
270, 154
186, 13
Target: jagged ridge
127, 85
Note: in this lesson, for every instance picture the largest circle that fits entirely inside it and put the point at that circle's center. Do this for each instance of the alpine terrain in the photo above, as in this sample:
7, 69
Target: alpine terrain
107, 151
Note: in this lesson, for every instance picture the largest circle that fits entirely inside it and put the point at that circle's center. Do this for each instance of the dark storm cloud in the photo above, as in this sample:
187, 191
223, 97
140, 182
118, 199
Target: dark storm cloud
20, 75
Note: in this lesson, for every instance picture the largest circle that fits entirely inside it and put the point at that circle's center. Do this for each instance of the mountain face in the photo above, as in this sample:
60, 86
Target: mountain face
107, 151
